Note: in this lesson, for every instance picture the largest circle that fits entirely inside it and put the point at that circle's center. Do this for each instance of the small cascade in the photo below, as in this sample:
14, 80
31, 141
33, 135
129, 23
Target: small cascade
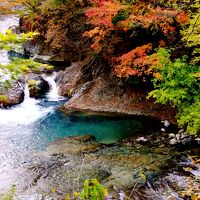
52, 95
25, 113
26, 92
31, 109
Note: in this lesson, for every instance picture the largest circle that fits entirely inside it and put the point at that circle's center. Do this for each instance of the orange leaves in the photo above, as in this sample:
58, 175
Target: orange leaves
102, 15
132, 62
159, 23
97, 2
182, 18
154, 19
97, 34
95, 31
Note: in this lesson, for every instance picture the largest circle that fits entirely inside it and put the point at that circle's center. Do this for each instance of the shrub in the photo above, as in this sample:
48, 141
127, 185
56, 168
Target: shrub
93, 190
179, 86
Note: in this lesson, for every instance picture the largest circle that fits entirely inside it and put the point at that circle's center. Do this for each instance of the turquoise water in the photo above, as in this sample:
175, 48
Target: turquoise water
54, 123
106, 129
32, 125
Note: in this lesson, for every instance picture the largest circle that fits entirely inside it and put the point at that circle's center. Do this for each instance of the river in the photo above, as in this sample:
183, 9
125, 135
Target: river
27, 129
31, 125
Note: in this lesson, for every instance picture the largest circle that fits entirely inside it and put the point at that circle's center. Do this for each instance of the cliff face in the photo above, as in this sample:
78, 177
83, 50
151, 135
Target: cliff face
106, 93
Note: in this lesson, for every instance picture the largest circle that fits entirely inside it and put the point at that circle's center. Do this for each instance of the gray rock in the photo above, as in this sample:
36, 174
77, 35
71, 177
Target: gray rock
172, 135
173, 141
180, 131
186, 141
42, 58
198, 140
166, 123
141, 139
184, 135
178, 136
12, 95
103, 93
37, 85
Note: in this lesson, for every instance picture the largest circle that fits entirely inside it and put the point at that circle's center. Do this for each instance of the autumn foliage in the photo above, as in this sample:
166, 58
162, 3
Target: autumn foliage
124, 21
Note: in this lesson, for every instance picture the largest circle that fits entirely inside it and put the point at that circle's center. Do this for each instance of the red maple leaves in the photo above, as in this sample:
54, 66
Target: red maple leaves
110, 17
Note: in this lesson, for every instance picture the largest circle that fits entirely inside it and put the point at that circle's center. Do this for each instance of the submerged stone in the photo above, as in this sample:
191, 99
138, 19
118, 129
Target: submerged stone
73, 145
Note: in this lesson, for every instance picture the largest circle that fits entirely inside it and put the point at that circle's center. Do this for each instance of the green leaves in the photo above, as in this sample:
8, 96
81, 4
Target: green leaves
17, 66
11, 40
180, 87
93, 190
190, 115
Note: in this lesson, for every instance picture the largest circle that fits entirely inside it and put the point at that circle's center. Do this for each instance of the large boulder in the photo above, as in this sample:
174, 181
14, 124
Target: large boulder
107, 93
73, 145
37, 85
11, 95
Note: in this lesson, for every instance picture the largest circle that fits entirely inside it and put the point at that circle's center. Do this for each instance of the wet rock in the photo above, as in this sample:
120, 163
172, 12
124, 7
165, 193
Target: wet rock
184, 135
69, 80
37, 85
12, 94
141, 139
118, 168
31, 197
180, 131
178, 137
73, 145
173, 141
166, 123
185, 141
198, 140
172, 135
42, 58
105, 94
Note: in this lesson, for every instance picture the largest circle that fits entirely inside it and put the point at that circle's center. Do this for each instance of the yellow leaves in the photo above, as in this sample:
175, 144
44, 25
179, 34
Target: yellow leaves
11, 40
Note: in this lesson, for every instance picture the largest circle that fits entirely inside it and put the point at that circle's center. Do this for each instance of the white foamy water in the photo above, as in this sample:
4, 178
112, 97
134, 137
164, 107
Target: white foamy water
26, 113
30, 110
52, 95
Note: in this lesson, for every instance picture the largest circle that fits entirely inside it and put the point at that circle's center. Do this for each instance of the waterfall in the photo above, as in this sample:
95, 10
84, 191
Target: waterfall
52, 95
31, 109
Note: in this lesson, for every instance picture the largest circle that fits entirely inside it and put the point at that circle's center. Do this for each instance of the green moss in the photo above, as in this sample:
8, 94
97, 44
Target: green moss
3, 99
32, 83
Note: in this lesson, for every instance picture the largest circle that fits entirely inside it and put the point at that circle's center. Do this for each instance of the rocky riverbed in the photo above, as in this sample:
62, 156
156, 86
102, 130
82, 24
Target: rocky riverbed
139, 169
